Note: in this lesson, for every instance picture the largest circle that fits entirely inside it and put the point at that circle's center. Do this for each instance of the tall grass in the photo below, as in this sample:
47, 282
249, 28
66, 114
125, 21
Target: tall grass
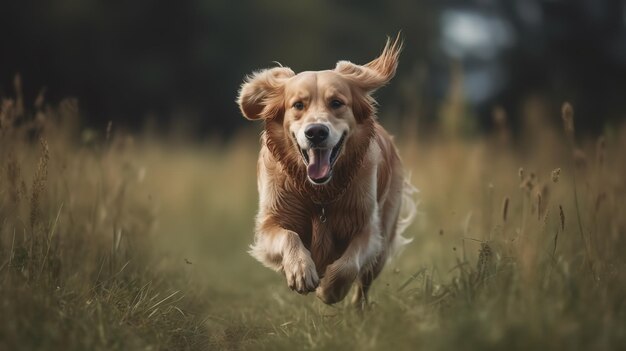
76, 268
111, 241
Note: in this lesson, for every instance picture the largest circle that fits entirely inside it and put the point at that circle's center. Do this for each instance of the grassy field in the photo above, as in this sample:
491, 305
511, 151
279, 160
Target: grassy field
117, 242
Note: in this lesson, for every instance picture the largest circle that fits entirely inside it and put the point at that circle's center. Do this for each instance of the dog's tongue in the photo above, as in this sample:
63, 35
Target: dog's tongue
319, 163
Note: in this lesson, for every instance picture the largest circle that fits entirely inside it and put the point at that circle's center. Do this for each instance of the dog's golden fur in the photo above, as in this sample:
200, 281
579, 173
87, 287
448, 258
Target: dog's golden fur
325, 237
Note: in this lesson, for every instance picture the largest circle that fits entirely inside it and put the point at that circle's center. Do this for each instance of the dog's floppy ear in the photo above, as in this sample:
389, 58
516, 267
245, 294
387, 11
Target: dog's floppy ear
261, 94
371, 76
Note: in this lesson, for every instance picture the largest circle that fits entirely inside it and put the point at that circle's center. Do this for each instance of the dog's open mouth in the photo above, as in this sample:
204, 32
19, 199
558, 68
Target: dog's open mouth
319, 162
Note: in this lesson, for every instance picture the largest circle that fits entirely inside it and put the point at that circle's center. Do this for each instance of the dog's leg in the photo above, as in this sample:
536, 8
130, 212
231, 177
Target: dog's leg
340, 275
282, 250
389, 223
359, 299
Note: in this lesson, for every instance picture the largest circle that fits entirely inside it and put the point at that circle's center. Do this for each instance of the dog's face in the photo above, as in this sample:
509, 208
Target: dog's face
319, 111
319, 117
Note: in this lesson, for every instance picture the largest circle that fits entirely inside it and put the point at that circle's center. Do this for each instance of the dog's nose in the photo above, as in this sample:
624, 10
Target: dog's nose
316, 133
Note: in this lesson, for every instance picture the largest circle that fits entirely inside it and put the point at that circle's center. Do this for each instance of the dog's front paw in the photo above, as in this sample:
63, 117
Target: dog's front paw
301, 274
337, 281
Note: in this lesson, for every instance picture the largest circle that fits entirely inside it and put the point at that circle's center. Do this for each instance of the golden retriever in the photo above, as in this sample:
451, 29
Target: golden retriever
331, 184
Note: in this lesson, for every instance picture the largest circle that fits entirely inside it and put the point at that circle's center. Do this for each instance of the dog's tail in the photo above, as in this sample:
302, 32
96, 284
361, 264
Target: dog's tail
408, 211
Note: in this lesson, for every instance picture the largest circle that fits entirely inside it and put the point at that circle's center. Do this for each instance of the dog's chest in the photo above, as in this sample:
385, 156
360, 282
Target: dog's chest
333, 227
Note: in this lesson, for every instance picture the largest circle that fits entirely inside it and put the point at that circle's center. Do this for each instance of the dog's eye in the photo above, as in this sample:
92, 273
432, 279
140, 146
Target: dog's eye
336, 104
298, 105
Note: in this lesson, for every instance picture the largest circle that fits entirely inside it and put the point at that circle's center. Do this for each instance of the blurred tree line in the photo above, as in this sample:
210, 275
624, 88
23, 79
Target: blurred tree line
181, 63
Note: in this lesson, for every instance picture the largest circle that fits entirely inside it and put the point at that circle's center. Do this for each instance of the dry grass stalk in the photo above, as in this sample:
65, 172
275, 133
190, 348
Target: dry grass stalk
108, 132
13, 177
600, 151
567, 115
580, 158
38, 189
599, 199
40, 100
7, 114
503, 133
539, 205
69, 113
505, 209
19, 97
544, 194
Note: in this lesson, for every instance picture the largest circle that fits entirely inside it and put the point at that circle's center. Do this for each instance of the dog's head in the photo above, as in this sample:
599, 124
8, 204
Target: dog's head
319, 111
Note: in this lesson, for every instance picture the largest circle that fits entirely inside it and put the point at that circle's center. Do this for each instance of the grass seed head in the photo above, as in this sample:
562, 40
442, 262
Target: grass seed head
528, 184
485, 258
556, 173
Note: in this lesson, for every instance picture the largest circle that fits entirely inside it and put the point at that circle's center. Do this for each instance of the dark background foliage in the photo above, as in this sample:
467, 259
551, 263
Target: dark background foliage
182, 63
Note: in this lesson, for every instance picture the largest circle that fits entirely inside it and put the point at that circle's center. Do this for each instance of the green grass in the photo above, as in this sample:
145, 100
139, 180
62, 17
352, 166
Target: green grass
113, 242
